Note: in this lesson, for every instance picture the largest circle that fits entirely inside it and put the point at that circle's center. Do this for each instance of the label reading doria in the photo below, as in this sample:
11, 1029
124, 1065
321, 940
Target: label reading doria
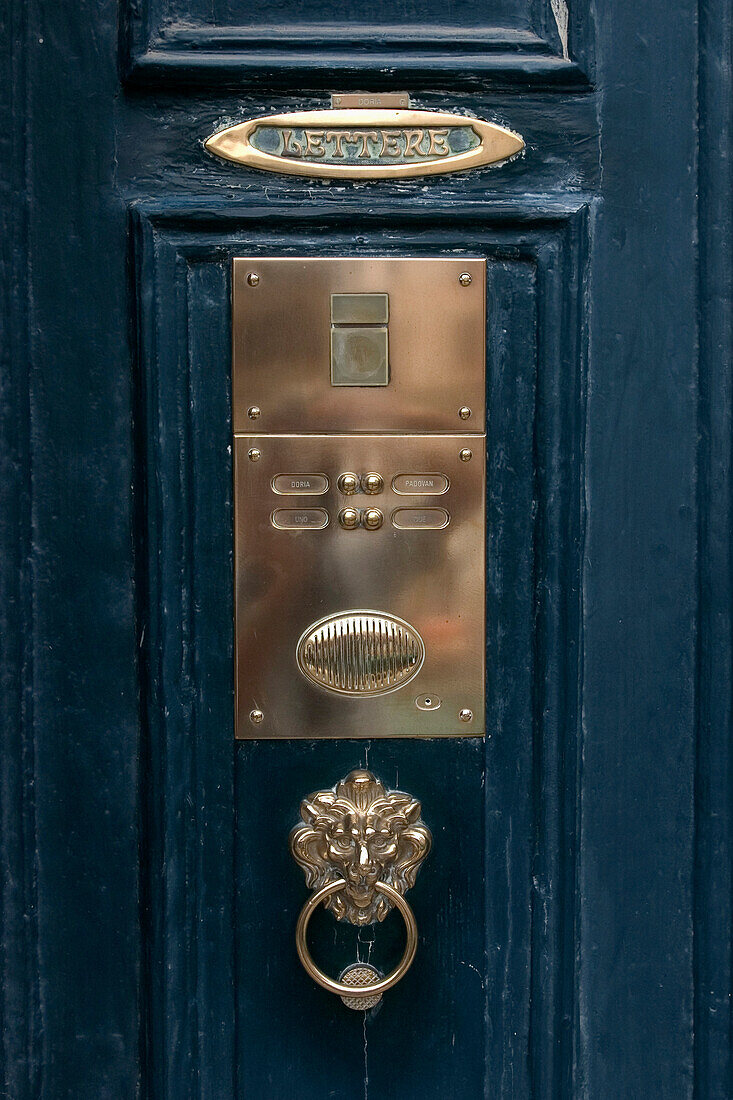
355, 145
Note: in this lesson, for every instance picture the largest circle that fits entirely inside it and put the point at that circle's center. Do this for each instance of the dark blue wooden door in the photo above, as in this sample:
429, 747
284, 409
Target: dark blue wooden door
575, 913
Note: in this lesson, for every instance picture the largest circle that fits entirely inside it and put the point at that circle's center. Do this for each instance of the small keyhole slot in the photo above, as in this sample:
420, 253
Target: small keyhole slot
427, 702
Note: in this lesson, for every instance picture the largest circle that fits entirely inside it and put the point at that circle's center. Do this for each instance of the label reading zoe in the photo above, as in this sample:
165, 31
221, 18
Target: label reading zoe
365, 144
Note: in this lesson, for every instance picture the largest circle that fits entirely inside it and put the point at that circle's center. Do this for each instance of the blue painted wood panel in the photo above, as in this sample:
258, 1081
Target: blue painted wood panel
475, 964
535, 42
575, 913
415, 13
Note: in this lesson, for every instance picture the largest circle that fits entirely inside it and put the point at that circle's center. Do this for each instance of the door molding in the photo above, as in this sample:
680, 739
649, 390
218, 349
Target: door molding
314, 56
181, 266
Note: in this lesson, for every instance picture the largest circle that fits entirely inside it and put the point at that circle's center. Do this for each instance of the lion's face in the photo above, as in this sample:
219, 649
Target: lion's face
365, 835
361, 846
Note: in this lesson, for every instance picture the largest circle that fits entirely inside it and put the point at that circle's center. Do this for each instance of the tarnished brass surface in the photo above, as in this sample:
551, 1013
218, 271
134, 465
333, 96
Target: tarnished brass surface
360, 847
287, 581
362, 143
360, 975
281, 346
362, 548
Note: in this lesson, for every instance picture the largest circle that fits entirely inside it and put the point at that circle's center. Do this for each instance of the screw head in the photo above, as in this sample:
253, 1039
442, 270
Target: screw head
465, 278
253, 278
254, 412
254, 454
255, 717
372, 519
348, 483
465, 455
372, 483
465, 715
464, 412
349, 518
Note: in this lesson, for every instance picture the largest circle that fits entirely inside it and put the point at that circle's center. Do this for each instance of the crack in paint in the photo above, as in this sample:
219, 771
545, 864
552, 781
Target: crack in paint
366, 1058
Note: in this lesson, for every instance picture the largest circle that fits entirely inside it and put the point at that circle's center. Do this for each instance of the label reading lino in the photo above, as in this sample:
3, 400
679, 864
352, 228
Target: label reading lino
363, 143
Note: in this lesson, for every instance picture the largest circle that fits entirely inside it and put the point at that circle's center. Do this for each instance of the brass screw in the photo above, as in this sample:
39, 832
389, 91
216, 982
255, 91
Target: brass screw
254, 455
253, 278
464, 412
255, 717
372, 519
254, 412
465, 279
465, 455
349, 518
465, 715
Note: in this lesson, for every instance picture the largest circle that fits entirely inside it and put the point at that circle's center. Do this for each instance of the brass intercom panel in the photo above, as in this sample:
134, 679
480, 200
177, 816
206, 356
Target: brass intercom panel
359, 484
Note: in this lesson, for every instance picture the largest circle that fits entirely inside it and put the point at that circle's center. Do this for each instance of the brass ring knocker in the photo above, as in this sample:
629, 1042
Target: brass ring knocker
361, 847
373, 988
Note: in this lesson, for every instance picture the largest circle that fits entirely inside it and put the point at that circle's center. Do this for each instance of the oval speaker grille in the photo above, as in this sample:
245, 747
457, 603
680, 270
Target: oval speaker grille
361, 653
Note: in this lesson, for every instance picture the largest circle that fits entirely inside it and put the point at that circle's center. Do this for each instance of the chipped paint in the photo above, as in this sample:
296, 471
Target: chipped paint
562, 19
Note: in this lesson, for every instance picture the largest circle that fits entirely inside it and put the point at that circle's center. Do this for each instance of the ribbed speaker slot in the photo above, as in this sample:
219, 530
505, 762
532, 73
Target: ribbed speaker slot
361, 653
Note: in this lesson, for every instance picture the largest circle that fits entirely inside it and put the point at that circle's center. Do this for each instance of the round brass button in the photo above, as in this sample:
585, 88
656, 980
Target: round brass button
372, 519
348, 483
372, 483
349, 518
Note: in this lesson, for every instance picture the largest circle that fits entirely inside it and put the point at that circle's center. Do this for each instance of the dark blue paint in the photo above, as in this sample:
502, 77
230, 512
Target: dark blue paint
412, 43
577, 944
713, 883
474, 971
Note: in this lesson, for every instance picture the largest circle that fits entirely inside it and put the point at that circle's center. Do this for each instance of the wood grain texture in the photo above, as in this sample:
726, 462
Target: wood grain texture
639, 578
71, 914
20, 1009
507, 42
478, 976
578, 942
714, 772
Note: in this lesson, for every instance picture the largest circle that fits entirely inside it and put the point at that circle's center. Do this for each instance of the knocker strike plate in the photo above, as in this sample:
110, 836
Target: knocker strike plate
358, 143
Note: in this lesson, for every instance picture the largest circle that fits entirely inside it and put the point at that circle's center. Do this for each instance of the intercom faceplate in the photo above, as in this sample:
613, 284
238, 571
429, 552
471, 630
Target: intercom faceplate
290, 577
359, 553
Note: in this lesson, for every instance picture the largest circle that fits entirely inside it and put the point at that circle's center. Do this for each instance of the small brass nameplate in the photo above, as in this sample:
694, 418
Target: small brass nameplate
370, 99
365, 143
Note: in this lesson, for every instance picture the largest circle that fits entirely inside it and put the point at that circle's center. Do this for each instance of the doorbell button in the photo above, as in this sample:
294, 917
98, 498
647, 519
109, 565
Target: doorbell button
420, 485
348, 483
349, 518
372, 519
300, 484
420, 519
372, 484
299, 519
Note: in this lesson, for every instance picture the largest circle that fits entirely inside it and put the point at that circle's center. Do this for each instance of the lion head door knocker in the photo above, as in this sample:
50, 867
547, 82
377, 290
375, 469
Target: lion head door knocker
360, 847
